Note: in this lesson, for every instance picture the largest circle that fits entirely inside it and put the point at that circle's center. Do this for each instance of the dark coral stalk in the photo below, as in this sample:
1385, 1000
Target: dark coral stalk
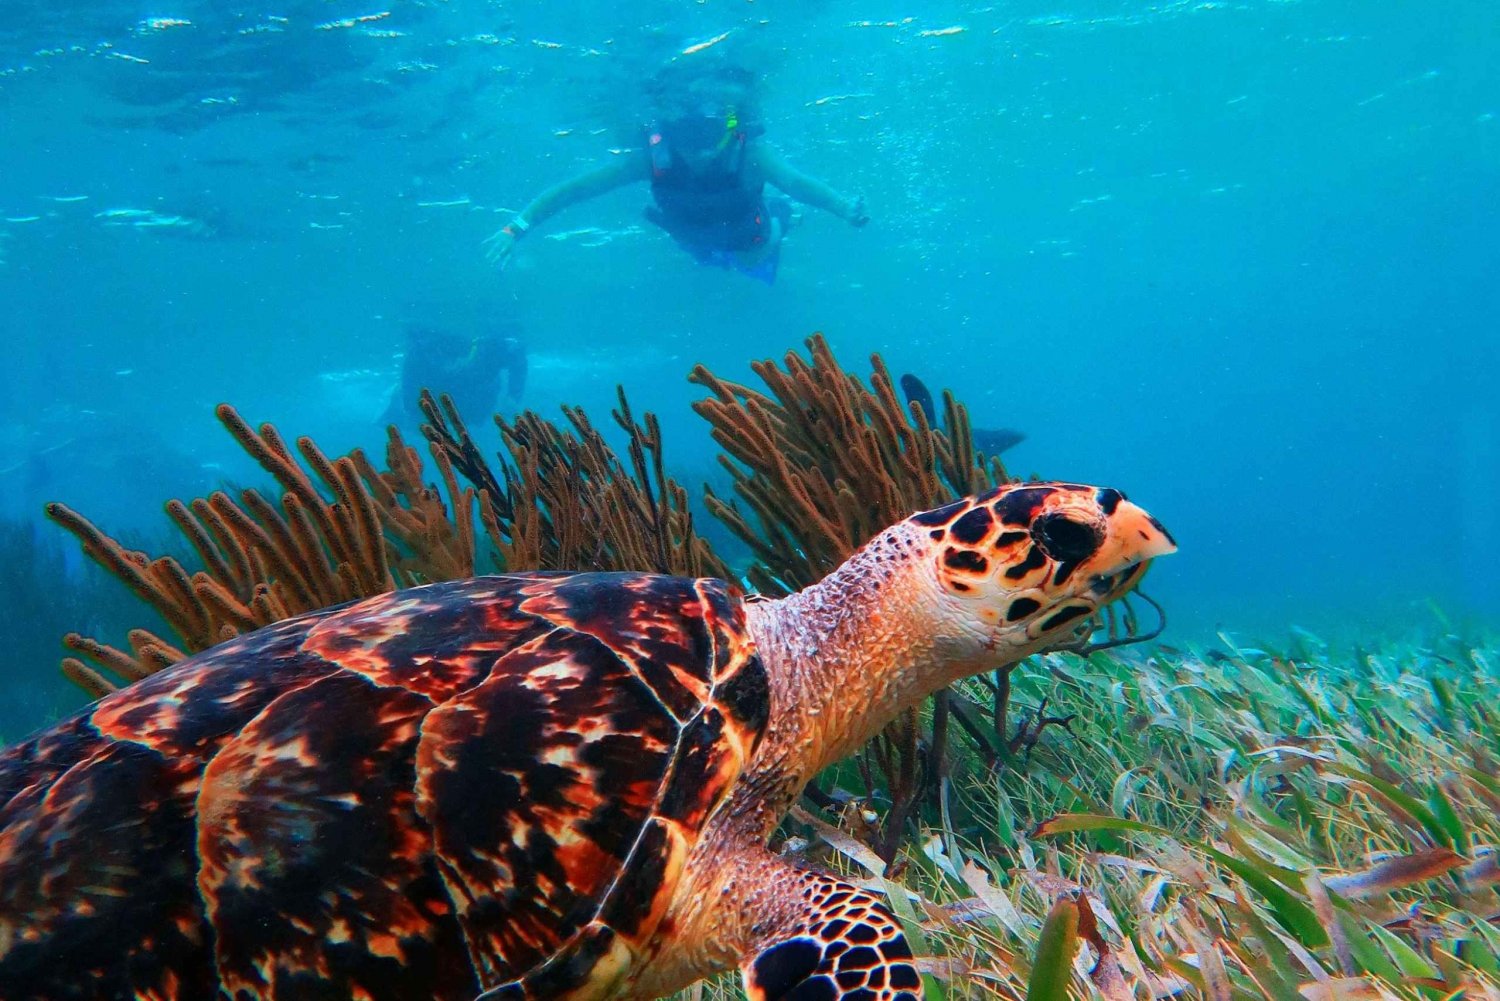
568, 501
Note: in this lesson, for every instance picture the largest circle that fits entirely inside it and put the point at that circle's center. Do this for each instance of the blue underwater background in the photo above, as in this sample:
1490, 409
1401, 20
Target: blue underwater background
1238, 259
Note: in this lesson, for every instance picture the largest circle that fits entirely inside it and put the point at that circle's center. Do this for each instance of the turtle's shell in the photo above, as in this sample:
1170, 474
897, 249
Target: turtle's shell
419, 795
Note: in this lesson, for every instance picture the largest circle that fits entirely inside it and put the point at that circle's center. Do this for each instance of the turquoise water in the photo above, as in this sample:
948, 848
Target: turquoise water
1237, 259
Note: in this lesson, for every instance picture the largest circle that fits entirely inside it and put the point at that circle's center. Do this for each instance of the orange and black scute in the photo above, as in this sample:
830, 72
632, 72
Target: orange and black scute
424, 794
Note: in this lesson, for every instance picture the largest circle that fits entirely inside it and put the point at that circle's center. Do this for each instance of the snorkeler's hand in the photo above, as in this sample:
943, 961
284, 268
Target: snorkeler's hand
855, 213
501, 245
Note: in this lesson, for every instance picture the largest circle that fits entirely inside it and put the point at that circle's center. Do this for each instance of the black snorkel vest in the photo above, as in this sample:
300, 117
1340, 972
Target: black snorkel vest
716, 200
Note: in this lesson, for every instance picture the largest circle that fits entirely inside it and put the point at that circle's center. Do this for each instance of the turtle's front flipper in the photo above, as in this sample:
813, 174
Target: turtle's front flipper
834, 942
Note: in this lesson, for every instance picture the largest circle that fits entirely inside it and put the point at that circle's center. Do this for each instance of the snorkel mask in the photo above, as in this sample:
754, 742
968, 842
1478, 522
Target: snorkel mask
711, 132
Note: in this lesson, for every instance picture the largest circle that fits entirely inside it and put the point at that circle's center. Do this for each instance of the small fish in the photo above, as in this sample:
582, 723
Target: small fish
710, 43
988, 441
994, 441
160, 24
350, 22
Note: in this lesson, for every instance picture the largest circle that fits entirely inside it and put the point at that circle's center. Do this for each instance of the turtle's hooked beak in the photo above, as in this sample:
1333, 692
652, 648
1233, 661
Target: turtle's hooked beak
1133, 538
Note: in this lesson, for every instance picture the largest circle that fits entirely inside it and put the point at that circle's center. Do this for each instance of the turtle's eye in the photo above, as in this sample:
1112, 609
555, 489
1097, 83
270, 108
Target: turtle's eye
1066, 540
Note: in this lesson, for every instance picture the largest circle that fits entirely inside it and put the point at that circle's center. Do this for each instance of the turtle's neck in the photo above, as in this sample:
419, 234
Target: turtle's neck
843, 657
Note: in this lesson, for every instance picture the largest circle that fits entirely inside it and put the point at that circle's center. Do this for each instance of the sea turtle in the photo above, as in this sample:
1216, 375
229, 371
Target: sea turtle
524, 786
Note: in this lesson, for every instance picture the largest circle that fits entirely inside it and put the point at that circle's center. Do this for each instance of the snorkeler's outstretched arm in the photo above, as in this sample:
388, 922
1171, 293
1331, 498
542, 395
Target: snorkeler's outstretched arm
619, 171
806, 188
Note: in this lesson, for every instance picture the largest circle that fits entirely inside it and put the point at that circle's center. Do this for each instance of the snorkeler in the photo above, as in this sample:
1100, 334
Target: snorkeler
987, 441
468, 369
708, 167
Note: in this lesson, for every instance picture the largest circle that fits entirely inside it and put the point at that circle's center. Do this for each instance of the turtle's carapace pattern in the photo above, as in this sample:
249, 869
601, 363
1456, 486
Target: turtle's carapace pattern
409, 797
528, 787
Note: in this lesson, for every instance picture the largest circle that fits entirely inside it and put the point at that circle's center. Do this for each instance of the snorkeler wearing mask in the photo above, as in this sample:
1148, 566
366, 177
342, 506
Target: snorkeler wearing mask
708, 168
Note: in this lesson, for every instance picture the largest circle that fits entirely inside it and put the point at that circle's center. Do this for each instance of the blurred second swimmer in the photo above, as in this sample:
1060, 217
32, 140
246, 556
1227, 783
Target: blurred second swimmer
468, 367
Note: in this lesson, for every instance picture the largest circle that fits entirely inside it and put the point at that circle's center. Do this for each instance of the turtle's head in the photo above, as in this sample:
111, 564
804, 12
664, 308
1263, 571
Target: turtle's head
969, 587
1023, 567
